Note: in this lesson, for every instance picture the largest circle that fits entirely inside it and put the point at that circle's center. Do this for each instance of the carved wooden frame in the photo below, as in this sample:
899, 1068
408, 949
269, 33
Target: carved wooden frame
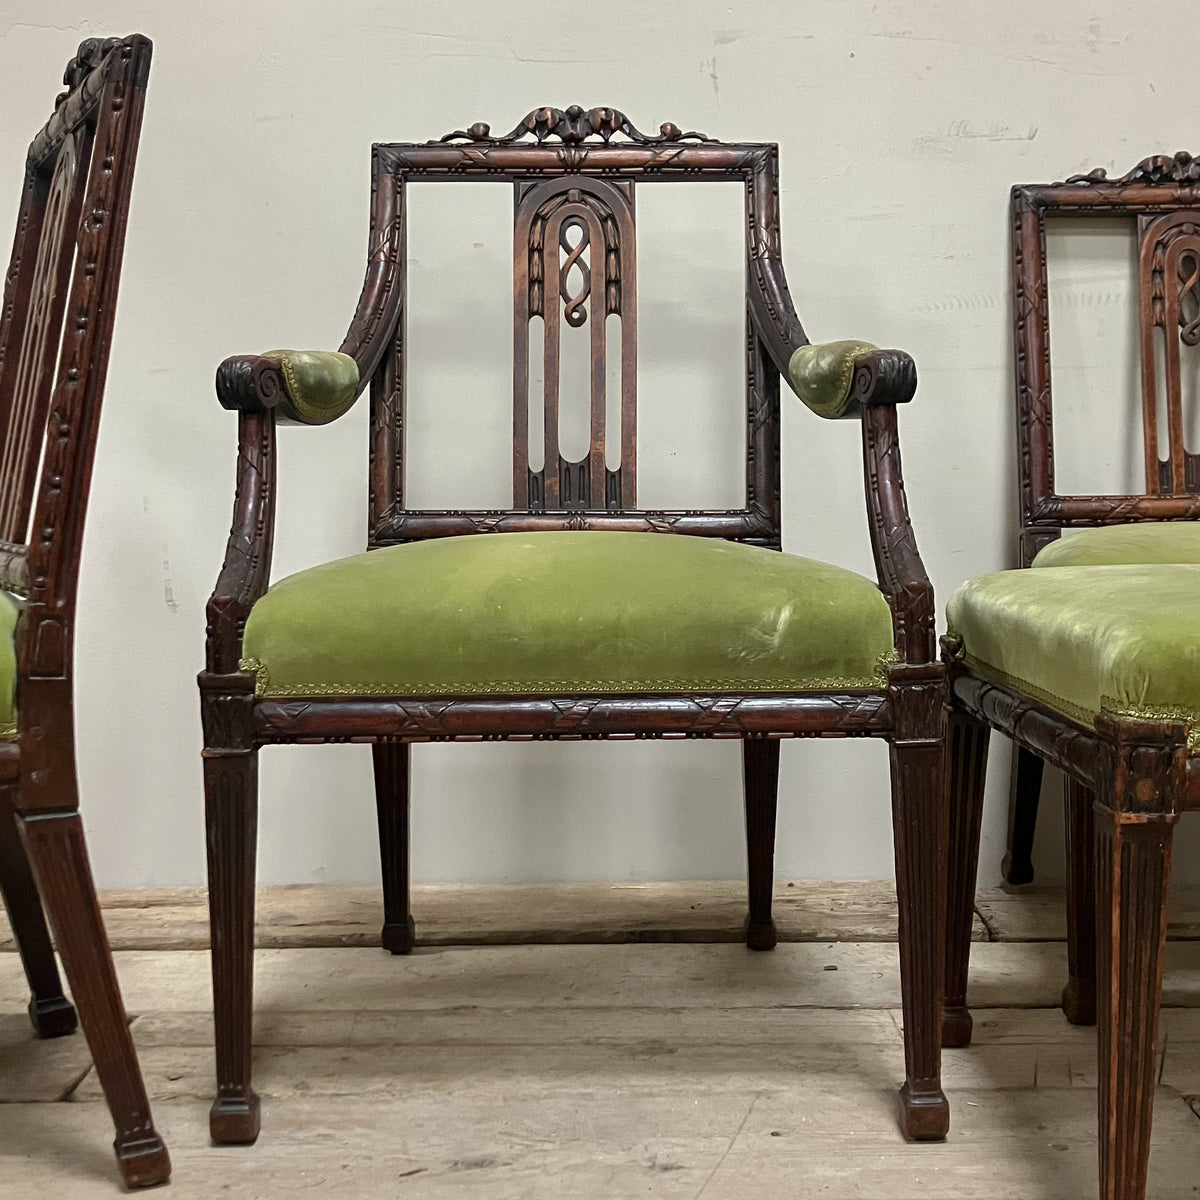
1160, 192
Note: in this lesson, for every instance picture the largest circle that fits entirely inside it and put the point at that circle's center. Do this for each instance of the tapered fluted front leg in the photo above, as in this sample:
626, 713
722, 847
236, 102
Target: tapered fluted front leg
760, 781
965, 773
50, 1011
920, 831
59, 857
1024, 796
231, 807
1133, 867
392, 777
1079, 996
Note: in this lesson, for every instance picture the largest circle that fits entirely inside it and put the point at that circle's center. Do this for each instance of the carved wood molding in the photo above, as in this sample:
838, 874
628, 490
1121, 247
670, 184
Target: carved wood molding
345, 719
571, 126
1180, 167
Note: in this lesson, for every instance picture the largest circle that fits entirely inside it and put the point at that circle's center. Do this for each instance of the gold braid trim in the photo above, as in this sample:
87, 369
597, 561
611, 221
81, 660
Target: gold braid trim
1086, 717
534, 687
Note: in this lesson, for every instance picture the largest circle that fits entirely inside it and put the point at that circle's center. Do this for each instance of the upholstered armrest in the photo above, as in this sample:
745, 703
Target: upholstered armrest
840, 379
308, 387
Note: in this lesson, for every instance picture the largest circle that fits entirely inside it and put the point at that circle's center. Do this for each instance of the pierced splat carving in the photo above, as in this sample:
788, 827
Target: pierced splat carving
1169, 270
569, 235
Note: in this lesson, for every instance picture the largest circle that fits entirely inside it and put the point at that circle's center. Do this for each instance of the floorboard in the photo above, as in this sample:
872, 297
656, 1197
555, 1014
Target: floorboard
687, 1069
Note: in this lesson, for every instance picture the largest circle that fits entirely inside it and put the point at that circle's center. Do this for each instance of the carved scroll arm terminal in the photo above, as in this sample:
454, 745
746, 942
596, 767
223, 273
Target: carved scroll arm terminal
302, 387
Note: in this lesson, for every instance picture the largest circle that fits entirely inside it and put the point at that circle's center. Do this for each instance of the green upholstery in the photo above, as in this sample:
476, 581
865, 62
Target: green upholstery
1157, 542
568, 612
1083, 640
821, 375
321, 384
10, 610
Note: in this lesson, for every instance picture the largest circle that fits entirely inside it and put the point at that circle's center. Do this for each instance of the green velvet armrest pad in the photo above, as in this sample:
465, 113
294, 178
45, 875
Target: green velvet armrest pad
821, 375
321, 384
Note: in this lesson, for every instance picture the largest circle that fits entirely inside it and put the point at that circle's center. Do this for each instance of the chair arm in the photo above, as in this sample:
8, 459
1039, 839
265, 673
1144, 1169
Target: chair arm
304, 387
247, 568
840, 379
898, 566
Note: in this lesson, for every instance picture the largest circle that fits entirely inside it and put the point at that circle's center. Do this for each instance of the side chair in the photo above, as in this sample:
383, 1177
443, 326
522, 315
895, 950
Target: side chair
1125, 530
60, 297
1090, 659
575, 613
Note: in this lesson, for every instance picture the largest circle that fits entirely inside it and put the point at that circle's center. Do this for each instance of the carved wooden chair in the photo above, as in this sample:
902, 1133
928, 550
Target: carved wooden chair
1127, 529
1090, 660
60, 298
579, 614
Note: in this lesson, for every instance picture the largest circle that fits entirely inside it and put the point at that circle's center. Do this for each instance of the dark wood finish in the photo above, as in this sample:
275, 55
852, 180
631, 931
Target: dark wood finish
1160, 197
966, 756
392, 777
920, 830
1129, 781
51, 1012
760, 784
1079, 995
574, 176
1025, 797
55, 331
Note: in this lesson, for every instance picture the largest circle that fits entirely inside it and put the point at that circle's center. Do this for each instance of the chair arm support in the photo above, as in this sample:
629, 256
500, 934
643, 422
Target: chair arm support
247, 569
841, 379
304, 387
899, 569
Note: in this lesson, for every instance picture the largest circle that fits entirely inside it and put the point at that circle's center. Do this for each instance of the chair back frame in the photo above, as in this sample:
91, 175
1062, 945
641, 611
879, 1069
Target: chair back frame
574, 265
1162, 194
56, 327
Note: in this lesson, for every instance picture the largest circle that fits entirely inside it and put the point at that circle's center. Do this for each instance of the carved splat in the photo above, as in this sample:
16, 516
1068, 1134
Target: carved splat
28, 383
1169, 279
574, 266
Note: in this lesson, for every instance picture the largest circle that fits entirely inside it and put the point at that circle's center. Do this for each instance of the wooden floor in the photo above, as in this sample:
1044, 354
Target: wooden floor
690, 1068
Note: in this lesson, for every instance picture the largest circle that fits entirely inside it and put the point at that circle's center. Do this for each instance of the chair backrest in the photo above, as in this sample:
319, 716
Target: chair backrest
1162, 196
574, 175
55, 329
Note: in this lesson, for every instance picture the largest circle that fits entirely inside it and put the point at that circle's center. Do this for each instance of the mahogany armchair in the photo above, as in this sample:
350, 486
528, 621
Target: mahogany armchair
1090, 659
55, 330
575, 613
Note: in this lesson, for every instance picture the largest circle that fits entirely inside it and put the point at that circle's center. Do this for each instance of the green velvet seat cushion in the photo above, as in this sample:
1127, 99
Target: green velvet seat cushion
10, 610
1121, 639
1156, 542
568, 612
